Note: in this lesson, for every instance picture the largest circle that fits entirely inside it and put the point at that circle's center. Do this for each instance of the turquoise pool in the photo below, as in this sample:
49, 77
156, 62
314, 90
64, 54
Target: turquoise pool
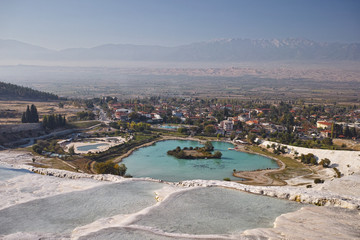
91, 146
154, 162
169, 127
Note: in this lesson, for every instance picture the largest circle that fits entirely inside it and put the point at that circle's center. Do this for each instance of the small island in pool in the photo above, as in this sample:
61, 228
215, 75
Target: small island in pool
195, 153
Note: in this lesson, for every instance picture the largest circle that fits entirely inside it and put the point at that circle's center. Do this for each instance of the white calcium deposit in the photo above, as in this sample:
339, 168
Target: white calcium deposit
337, 218
348, 162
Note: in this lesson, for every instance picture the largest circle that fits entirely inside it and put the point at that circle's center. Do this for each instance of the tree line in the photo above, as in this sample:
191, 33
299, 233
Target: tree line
8, 90
54, 121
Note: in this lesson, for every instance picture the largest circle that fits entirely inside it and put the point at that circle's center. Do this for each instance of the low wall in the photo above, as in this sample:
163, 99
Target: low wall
14, 128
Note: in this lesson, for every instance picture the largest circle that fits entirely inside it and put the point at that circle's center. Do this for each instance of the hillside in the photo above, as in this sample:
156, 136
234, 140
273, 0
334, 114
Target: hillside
10, 91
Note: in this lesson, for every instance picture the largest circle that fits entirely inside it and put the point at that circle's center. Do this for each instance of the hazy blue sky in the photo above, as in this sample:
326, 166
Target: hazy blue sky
61, 24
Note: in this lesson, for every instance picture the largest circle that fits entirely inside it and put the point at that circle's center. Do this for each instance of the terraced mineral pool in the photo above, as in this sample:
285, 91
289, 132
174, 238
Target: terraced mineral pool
91, 146
154, 162
8, 173
62, 213
215, 211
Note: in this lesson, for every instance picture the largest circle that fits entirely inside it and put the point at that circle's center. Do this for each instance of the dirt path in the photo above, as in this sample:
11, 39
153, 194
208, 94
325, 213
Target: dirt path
259, 177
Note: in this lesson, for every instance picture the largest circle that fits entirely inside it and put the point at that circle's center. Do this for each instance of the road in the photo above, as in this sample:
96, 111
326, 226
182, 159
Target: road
102, 115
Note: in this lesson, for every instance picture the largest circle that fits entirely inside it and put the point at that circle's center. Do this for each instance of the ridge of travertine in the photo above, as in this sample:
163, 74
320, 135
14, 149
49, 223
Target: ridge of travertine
292, 193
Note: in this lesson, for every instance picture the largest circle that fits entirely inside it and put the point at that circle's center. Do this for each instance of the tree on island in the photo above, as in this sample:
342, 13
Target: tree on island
195, 153
217, 154
208, 146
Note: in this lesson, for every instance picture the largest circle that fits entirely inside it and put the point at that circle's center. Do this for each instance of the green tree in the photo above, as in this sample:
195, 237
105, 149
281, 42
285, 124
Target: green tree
208, 146
209, 129
28, 118
327, 141
217, 154
30, 115
232, 135
182, 130
34, 114
61, 105
53, 121
110, 167
23, 118
251, 137
72, 150
121, 168
134, 116
37, 148
325, 162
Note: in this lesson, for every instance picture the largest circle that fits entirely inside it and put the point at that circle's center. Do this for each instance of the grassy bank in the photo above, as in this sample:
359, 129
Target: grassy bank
116, 151
292, 168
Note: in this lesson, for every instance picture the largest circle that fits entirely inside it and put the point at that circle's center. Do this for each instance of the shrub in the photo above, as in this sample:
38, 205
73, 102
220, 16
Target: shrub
308, 159
325, 162
318, 180
37, 148
72, 150
110, 167
338, 173
208, 146
217, 154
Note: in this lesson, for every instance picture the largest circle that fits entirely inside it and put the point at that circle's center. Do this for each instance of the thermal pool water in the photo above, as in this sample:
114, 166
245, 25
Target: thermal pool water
62, 213
154, 162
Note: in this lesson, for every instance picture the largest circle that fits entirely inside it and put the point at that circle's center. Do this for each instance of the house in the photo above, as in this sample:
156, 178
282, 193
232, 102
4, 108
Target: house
243, 117
156, 118
323, 125
227, 125
252, 122
325, 133
177, 114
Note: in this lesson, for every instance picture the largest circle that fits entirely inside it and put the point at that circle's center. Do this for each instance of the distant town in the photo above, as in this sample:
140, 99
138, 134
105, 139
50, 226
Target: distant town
289, 123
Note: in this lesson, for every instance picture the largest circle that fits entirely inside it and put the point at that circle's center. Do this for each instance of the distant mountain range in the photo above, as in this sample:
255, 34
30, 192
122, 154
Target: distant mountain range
227, 50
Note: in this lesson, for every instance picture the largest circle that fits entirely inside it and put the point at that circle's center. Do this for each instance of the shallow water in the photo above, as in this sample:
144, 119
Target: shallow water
216, 211
91, 146
8, 173
154, 162
64, 212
